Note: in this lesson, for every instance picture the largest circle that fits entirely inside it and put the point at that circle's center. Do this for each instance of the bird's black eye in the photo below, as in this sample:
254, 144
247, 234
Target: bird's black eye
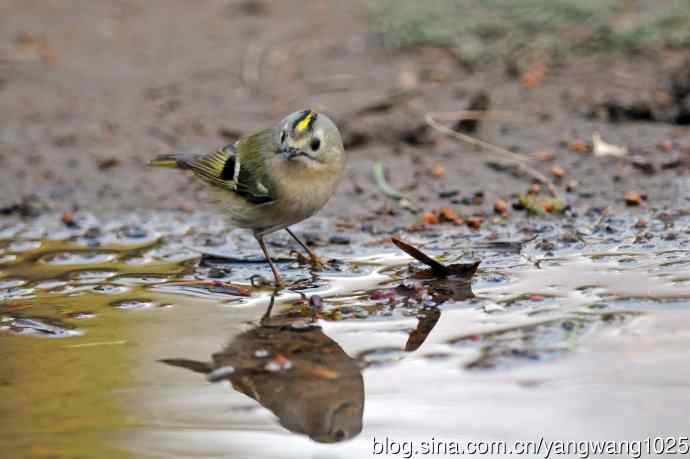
282, 137
315, 144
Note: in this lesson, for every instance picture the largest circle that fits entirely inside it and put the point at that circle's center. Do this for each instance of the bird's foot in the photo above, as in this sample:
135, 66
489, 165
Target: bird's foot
316, 262
257, 280
311, 259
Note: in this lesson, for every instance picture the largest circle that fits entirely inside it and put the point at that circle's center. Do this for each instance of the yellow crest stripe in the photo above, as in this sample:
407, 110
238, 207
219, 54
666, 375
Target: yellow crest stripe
303, 124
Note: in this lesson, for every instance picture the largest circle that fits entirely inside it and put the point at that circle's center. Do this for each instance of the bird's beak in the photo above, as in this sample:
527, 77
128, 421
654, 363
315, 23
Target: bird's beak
292, 153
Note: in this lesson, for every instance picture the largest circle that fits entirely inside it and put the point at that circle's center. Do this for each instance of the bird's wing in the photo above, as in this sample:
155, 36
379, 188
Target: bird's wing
224, 169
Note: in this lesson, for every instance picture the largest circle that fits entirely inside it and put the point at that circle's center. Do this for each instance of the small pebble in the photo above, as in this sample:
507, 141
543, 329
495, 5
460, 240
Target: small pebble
339, 239
448, 194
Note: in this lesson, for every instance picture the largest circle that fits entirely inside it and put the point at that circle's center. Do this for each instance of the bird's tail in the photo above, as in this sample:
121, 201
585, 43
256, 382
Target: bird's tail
173, 161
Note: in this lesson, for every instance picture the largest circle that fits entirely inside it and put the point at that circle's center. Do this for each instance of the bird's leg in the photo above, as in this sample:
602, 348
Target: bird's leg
315, 261
276, 273
267, 315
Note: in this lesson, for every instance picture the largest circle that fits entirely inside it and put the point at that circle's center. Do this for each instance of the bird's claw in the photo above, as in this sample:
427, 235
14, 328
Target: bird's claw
313, 260
316, 262
257, 280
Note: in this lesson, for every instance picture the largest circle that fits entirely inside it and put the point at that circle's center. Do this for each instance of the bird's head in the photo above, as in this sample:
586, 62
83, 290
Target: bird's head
310, 139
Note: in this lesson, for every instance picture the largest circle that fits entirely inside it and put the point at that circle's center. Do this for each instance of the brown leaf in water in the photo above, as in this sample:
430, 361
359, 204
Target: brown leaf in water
417, 254
430, 218
68, 220
475, 222
447, 214
217, 287
438, 269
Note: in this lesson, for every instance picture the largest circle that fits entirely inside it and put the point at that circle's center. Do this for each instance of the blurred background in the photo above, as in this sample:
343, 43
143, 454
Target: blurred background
90, 90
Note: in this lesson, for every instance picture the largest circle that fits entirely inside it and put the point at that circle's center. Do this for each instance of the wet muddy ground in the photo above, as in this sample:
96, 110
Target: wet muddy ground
132, 323
87, 103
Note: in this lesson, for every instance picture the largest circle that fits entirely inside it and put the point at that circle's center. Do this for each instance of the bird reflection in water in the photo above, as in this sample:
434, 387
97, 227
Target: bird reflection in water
291, 367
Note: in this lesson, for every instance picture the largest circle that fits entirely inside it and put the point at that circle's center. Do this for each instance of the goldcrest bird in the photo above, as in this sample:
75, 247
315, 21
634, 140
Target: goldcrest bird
274, 178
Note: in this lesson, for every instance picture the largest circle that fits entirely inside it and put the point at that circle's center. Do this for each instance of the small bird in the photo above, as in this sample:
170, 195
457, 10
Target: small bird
274, 178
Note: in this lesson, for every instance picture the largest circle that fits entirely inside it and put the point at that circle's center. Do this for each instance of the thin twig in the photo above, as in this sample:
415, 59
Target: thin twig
100, 343
382, 183
476, 115
499, 153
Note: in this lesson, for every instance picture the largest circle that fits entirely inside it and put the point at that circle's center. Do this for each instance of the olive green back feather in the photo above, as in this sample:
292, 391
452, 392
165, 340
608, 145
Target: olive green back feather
239, 168
253, 152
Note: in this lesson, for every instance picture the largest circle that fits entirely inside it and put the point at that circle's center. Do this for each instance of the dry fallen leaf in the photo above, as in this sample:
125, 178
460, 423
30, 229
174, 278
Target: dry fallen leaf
29, 46
430, 218
549, 207
68, 219
540, 204
500, 206
534, 75
438, 170
632, 198
475, 222
544, 155
447, 214
578, 146
557, 171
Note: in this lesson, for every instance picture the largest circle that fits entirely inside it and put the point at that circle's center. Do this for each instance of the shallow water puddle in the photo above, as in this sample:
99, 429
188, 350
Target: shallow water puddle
157, 351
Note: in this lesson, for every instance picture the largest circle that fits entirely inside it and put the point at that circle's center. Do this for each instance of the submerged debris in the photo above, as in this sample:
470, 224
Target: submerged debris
40, 326
216, 286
